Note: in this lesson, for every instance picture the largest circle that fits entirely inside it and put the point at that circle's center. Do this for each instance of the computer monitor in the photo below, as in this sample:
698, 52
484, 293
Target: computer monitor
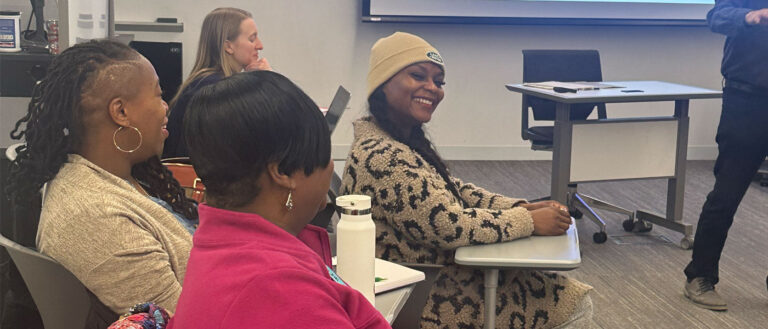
166, 57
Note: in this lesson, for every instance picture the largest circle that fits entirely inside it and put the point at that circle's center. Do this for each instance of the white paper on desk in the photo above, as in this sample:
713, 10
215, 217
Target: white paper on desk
579, 85
395, 275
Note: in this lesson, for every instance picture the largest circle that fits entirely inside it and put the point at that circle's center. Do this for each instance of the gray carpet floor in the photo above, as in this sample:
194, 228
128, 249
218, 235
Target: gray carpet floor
637, 277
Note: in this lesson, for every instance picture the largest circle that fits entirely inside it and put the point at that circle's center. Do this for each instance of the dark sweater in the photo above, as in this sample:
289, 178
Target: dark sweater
746, 47
175, 146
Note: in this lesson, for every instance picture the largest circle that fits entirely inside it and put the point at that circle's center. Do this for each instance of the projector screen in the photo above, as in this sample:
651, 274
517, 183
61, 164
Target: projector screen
609, 12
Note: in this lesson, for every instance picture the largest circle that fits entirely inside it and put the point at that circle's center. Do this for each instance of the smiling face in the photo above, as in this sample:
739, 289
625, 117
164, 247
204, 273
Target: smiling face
245, 48
147, 111
414, 92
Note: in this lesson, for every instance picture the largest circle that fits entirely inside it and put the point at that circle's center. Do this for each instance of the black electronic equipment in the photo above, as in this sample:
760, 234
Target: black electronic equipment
21, 71
166, 58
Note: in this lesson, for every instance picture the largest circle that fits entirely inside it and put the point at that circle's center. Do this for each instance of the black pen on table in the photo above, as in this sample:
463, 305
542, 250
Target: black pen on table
563, 90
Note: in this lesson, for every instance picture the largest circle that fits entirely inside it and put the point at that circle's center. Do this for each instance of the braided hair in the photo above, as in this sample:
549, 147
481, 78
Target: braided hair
417, 141
53, 127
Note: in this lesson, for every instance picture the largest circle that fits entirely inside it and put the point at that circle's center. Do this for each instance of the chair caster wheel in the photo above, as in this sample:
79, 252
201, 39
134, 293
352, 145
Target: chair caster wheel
576, 213
686, 243
600, 237
628, 225
639, 226
644, 227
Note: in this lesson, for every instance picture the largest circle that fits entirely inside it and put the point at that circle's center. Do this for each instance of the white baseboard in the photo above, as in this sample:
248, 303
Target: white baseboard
702, 152
340, 152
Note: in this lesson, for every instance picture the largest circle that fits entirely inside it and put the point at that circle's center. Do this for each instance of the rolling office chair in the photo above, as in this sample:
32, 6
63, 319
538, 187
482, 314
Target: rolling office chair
62, 300
762, 176
568, 66
17, 308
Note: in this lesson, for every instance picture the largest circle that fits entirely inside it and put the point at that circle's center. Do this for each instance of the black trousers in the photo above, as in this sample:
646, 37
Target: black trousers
742, 139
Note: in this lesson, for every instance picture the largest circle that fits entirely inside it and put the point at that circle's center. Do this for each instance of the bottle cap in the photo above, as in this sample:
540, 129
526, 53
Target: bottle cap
354, 204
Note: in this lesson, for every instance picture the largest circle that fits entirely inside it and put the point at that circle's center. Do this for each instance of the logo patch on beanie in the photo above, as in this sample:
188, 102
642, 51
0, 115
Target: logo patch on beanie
435, 57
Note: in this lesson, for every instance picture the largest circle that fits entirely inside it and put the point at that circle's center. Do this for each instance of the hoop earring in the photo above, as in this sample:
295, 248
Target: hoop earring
289, 202
114, 140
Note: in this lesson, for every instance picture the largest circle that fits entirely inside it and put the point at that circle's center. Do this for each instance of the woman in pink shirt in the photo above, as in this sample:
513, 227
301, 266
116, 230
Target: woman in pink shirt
262, 149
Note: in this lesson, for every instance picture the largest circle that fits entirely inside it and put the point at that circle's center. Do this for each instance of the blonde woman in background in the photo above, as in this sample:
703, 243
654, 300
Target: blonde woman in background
229, 43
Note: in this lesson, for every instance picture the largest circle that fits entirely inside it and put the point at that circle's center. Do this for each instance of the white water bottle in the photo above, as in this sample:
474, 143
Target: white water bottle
356, 244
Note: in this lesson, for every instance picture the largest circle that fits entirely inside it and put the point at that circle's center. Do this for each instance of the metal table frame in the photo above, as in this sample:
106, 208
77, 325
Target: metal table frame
652, 91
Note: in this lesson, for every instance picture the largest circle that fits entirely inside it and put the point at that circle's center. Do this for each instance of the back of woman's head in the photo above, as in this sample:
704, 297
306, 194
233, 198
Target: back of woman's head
55, 122
234, 128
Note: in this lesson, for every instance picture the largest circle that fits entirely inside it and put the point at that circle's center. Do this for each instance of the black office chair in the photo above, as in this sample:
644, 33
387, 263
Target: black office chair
568, 66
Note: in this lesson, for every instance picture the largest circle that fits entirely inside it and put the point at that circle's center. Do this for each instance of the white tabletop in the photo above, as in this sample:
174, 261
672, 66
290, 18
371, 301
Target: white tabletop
535, 252
649, 91
391, 302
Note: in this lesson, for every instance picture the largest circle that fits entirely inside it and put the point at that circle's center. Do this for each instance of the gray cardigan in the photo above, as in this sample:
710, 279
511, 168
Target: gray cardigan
121, 245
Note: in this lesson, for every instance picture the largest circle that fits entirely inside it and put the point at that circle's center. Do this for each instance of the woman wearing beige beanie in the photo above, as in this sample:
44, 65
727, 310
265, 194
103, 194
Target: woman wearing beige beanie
423, 214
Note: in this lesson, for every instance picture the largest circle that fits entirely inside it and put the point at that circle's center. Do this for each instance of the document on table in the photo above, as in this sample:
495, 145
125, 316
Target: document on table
578, 85
391, 276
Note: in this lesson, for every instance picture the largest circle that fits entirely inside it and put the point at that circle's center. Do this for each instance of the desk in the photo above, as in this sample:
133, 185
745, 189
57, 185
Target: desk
559, 253
390, 303
616, 149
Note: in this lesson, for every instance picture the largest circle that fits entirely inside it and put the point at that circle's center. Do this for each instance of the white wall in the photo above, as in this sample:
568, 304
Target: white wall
320, 44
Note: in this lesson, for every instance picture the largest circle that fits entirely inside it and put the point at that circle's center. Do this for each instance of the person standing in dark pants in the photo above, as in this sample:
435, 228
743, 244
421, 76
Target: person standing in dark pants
742, 138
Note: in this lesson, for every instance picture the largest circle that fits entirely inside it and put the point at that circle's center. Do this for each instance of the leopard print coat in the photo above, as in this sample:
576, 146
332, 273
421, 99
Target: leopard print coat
418, 220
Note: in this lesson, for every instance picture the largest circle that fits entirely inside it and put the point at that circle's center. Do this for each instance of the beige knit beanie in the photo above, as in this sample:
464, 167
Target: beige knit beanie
391, 54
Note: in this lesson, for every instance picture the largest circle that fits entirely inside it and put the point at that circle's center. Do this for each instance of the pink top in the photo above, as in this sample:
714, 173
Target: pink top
245, 271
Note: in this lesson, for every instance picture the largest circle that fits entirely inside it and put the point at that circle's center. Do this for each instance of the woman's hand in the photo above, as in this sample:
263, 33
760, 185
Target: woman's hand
549, 217
261, 64
544, 204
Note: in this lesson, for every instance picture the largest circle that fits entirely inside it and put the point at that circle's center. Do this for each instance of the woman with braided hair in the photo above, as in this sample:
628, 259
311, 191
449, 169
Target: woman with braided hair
423, 214
112, 214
